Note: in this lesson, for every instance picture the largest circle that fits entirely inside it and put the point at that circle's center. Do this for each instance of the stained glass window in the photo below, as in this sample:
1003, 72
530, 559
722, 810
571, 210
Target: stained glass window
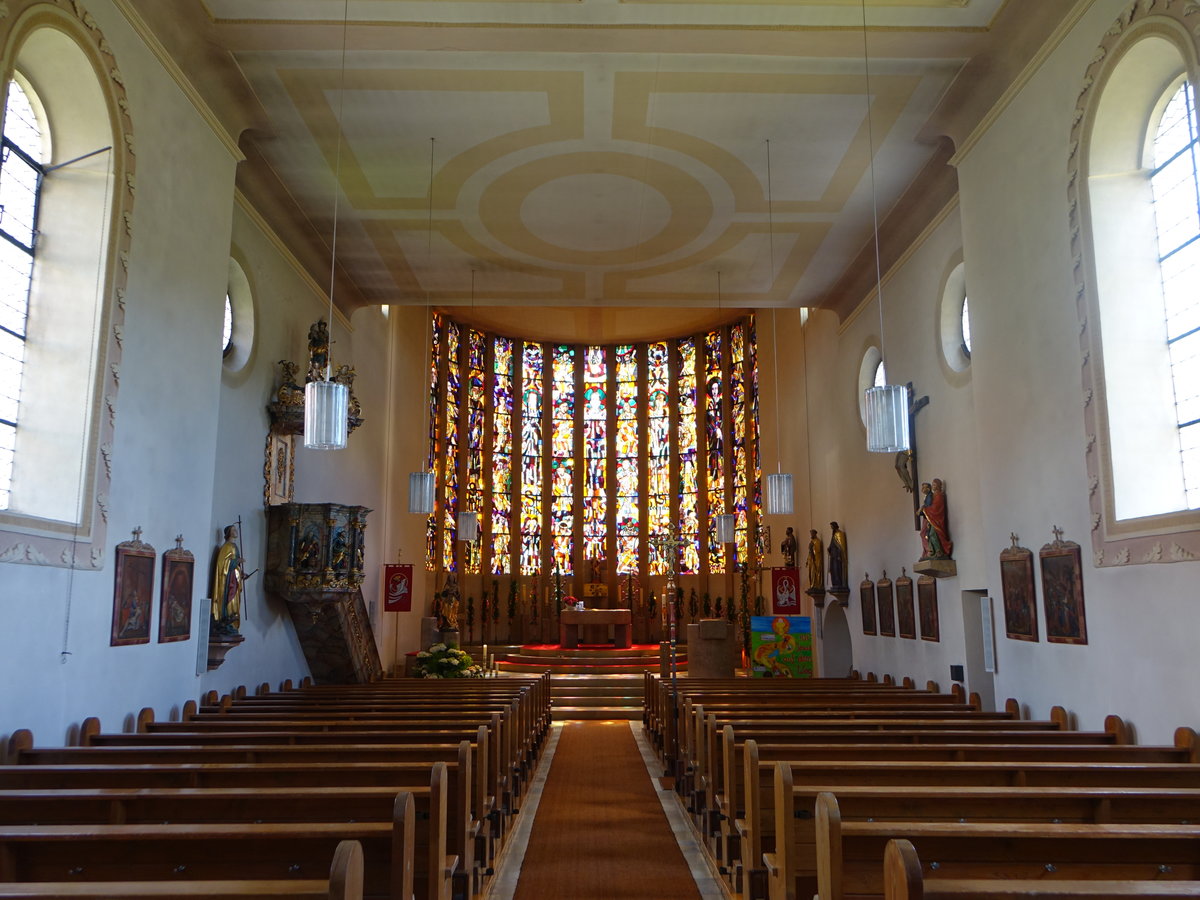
531, 460
714, 440
737, 437
658, 449
595, 452
562, 462
628, 458
431, 462
502, 439
473, 496
689, 507
450, 461
568, 459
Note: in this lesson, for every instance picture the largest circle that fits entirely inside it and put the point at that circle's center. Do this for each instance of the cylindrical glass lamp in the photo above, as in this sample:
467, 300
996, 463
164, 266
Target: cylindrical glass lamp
420, 493
468, 525
326, 415
779, 494
887, 418
725, 524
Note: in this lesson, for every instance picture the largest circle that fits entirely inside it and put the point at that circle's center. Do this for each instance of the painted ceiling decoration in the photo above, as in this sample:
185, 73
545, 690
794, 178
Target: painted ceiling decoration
598, 154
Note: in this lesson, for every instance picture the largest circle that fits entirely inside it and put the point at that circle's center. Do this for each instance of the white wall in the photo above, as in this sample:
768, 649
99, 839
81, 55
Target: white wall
1008, 439
189, 443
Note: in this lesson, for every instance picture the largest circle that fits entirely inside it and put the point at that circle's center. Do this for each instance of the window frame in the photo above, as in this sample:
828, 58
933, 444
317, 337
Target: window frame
78, 541
1102, 141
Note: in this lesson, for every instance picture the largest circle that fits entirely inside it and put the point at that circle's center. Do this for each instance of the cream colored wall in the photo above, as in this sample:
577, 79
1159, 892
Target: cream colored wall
189, 442
1008, 439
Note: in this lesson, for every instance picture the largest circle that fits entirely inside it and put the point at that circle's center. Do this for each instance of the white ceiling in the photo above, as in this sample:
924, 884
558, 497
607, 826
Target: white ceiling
595, 153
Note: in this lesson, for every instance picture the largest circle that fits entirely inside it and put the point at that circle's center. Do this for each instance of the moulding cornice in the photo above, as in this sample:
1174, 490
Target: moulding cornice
1018, 84
289, 257
156, 47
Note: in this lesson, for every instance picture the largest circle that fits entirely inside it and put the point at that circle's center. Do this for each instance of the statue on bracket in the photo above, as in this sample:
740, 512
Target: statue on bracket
788, 547
839, 562
228, 580
937, 549
814, 563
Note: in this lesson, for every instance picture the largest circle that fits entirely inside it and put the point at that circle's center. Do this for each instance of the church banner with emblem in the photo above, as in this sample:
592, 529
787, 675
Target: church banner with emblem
785, 591
397, 587
781, 647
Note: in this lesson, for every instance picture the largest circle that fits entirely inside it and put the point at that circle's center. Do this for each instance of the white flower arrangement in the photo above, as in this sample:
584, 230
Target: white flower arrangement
441, 661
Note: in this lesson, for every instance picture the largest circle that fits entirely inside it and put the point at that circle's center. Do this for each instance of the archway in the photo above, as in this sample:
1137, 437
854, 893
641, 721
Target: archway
837, 653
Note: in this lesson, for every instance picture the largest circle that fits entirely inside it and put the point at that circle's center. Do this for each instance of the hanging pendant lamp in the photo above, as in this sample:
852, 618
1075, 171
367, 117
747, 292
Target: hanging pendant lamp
422, 486
468, 525
327, 402
779, 485
886, 405
725, 526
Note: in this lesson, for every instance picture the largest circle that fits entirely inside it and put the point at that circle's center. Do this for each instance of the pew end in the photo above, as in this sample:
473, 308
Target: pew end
144, 717
902, 877
346, 872
89, 729
403, 841
1185, 739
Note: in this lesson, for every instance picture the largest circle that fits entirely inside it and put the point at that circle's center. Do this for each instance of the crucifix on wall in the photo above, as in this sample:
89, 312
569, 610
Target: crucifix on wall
906, 460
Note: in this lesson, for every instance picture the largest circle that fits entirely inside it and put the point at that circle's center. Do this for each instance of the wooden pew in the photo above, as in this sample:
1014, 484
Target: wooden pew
213, 852
345, 882
848, 855
440, 837
903, 879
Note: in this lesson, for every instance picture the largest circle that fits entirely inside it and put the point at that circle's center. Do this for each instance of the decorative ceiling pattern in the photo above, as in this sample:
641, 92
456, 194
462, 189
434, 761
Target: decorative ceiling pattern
610, 153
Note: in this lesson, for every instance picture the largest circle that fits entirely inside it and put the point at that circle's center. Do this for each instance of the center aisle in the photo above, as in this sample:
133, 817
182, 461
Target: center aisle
599, 829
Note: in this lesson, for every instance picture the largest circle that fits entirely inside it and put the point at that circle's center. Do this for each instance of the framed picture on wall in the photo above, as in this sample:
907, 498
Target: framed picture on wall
175, 595
133, 592
1020, 595
887, 611
279, 469
905, 612
1062, 591
927, 608
866, 599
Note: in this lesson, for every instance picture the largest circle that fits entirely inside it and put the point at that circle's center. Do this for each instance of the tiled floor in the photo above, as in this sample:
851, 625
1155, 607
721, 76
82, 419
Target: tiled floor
504, 884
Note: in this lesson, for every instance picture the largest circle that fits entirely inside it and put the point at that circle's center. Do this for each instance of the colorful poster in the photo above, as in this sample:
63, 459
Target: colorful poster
785, 591
781, 647
397, 587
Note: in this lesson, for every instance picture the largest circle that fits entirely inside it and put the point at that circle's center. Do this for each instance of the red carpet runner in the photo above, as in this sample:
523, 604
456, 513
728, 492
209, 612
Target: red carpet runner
600, 832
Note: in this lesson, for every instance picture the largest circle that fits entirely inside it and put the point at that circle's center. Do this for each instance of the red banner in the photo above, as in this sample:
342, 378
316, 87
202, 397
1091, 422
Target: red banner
785, 591
397, 587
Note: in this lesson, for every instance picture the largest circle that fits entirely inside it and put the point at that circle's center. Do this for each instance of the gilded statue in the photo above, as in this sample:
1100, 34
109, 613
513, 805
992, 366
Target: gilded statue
838, 559
815, 563
228, 585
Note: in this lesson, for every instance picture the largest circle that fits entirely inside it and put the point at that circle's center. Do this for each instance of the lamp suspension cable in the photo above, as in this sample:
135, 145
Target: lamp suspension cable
779, 485
326, 402
422, 485
886, 405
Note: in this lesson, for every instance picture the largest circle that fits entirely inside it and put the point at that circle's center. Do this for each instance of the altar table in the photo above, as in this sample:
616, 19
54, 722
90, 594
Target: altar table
621, 620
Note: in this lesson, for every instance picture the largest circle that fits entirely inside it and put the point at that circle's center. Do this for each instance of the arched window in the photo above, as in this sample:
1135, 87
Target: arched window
1135, 216
25, 150
1177, 217
66, 188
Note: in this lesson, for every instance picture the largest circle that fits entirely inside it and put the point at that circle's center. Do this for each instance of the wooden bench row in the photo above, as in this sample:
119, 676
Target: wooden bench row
293, 792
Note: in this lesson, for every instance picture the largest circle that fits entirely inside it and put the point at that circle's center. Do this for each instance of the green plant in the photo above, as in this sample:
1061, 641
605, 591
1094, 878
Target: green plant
442, 661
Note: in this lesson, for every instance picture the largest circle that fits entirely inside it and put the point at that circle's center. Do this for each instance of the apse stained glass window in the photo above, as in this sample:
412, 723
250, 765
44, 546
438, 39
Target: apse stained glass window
431, 462
689, 507
531, 459
714, 442
450, 461
737, 435
574, 453
658, 450
595, 452
628, 458
502, 440
562, 472
756, 501
473, 496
